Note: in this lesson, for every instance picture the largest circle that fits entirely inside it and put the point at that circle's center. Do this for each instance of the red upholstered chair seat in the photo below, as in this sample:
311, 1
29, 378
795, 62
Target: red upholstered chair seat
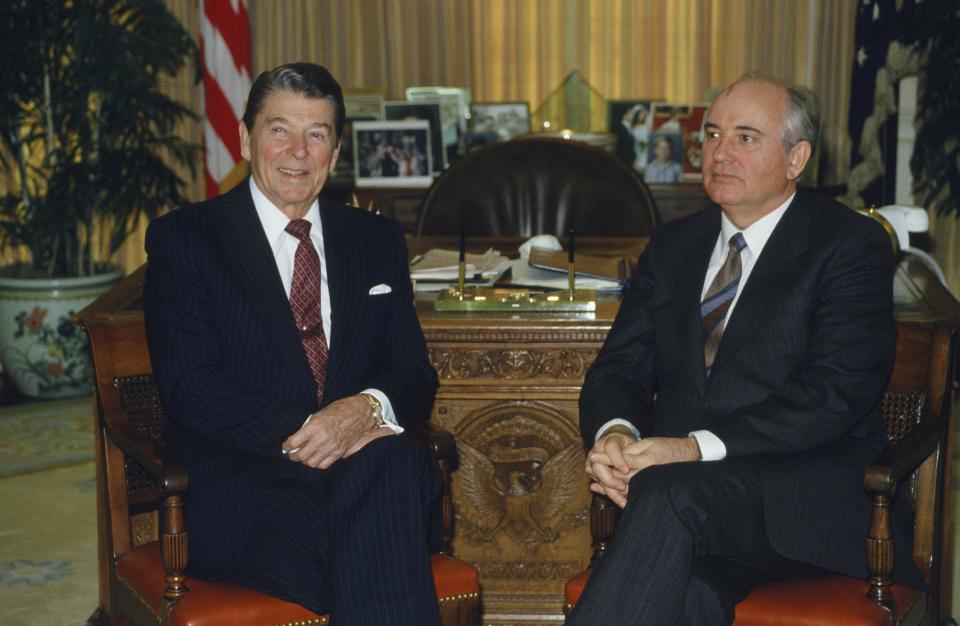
834, 600
226, 604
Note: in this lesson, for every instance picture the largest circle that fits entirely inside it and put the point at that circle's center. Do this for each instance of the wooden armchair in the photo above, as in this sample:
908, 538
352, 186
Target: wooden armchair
917, 409
142, 540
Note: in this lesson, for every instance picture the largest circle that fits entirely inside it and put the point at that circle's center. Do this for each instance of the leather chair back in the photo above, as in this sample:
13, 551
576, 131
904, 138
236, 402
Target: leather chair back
538, 186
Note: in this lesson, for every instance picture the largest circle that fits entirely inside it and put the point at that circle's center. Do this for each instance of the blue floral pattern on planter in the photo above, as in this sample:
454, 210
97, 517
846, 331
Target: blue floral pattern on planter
33, 573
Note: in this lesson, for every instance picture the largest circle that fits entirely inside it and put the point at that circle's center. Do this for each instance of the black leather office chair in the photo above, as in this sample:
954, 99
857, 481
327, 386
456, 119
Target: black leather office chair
536, 186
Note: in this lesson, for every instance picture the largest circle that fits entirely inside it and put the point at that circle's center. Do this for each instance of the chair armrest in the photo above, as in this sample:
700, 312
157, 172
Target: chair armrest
173, 482
440, 442
881, 481
603, 521
903, 457
153, 457
444, 447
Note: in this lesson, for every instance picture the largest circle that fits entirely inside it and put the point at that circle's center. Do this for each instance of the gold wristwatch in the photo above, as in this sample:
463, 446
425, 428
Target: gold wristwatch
376, 409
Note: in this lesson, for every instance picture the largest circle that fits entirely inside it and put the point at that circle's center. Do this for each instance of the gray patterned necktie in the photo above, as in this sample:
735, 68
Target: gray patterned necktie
716, 303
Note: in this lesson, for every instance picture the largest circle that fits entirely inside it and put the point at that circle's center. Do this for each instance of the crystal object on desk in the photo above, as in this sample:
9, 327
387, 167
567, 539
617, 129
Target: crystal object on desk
575, 111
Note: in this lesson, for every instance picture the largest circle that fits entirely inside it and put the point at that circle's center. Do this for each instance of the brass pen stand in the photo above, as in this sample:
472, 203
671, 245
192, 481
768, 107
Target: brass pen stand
493, 299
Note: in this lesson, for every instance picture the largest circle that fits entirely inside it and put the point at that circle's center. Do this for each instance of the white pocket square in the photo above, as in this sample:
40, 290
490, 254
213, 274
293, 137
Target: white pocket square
382, 288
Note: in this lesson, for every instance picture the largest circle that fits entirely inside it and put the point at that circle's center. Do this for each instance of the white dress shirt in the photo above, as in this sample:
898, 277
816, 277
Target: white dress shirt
284, 246
756, 235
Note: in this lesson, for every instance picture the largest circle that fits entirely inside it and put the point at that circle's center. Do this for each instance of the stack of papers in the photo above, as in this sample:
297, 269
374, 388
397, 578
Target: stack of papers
526, 275
442, 266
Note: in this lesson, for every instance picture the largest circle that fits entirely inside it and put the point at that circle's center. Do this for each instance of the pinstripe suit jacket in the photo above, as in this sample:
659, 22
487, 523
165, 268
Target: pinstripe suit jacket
231, 371
798, 373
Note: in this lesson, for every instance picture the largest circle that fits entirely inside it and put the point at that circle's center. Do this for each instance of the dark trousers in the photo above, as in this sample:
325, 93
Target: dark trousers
689, 545
351, 541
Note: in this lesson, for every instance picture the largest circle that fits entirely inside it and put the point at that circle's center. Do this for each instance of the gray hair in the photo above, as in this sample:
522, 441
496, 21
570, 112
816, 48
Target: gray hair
307, 79
802, 120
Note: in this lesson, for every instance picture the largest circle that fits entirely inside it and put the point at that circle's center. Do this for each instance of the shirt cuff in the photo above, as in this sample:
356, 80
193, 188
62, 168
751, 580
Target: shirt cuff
617, 422
389, 417
711, 447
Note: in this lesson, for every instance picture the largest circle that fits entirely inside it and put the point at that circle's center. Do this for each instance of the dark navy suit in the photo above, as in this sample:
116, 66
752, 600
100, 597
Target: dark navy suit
235, 383
793, 394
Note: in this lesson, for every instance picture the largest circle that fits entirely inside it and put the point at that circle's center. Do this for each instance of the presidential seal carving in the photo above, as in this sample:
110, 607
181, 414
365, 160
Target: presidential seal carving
520, 467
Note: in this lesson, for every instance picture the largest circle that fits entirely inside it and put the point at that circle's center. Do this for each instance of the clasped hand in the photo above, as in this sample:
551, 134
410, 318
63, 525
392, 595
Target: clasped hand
617, 457
334, 432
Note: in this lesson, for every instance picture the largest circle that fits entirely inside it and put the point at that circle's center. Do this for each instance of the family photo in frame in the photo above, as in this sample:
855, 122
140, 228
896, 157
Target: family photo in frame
404, 110
493, 122
392, 154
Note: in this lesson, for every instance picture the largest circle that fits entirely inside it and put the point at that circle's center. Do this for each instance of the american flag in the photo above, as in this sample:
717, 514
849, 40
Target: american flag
225, 45
871, 40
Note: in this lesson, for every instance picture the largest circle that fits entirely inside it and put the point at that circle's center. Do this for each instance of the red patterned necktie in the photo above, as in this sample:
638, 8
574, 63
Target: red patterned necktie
305, 302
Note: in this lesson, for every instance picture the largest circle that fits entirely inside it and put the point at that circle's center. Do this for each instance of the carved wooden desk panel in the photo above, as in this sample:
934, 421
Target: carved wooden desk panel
508, 392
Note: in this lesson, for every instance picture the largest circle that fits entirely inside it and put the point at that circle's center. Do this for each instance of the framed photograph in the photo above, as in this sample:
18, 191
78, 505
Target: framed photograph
363, 105
686, 120
402, 110
664, 158
344, 169
450, 121
392, 154
630, 121
492, 122
446, 94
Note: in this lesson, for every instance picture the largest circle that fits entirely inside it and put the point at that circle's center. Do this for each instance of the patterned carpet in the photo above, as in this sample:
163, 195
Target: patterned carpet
48, 571
41, 435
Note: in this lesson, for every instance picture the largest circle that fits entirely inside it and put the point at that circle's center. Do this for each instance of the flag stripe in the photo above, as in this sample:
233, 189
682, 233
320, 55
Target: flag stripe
225, 48
220, 64
219, 160
234, 23
221, 118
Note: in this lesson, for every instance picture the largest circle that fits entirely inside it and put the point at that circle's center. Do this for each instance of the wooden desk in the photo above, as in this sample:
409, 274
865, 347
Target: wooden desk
508, 392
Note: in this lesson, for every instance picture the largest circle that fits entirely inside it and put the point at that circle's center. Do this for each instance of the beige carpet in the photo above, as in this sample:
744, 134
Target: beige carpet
41, 435
48, 549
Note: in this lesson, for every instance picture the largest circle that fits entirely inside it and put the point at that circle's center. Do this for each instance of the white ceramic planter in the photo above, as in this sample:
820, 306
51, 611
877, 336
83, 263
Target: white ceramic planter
42, 350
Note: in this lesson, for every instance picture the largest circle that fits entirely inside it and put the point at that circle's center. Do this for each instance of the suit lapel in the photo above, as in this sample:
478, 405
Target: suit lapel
247, 251
772, 271
343, 259
689, 287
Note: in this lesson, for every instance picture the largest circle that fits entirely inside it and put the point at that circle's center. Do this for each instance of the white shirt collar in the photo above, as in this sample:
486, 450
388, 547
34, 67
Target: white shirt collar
274, 221
756, 234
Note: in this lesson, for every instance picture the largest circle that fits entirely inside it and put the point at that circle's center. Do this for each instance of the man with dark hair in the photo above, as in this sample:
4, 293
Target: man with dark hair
289, 360
733, 409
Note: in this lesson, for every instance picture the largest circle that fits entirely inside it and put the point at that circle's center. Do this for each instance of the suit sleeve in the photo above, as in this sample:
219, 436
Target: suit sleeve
848, 359
198, 393
620, 382
404, 372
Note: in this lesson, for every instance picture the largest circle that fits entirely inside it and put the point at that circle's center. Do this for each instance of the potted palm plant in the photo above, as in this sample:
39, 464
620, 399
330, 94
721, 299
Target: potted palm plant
87, 149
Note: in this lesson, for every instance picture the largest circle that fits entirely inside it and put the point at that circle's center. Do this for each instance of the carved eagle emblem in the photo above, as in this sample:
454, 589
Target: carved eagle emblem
518, 489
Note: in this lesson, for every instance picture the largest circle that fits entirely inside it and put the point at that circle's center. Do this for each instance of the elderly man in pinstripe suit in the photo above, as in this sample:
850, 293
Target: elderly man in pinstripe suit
734, 406
289, 360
